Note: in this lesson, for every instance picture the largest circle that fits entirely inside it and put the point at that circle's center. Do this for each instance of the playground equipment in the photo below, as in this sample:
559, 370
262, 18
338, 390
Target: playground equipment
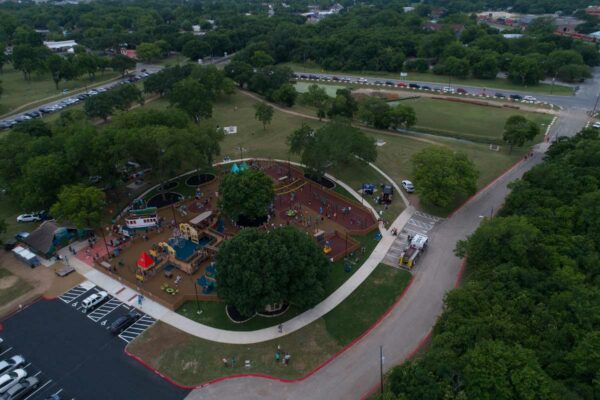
189, 232
142, 218
145, 266
417, 245
368, 188
387, 194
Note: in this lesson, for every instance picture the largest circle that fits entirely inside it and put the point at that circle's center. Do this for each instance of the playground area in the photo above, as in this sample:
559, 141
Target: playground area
167, 252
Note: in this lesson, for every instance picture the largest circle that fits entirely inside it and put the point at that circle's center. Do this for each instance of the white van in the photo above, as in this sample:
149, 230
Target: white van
11, 379
90, 302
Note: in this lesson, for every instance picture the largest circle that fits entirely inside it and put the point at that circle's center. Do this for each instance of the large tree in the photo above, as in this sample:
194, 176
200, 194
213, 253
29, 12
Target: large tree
518, 130
122, 63
246, 195
441, 175
148, 52
258, 268
80, 205
264, 113
192, 97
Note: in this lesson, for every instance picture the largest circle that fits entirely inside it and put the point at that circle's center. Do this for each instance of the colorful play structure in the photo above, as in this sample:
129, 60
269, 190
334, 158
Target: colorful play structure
145, 267
236, 169
142, 218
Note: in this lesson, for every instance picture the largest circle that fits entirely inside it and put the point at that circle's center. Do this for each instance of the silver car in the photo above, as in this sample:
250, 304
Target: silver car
8, 365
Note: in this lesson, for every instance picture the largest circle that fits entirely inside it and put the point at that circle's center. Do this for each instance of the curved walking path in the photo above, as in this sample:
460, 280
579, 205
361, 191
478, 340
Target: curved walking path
159, 312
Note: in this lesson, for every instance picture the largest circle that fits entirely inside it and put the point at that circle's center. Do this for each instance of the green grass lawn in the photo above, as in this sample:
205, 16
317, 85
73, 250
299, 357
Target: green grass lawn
189, 360
11, 287
9, 210
502, 84
469, 121
18, 91
393, 158
213, 313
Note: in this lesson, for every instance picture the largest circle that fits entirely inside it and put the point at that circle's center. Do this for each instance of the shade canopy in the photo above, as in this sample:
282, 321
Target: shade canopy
145, 261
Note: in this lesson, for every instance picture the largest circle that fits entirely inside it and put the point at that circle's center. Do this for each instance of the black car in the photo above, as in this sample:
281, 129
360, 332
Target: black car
516, 97
378, 83
414, 86
123, 322
390, 83
426, 88
500, 95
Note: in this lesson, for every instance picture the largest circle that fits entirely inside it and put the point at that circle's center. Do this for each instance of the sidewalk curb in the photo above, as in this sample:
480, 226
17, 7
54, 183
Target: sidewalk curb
264, 376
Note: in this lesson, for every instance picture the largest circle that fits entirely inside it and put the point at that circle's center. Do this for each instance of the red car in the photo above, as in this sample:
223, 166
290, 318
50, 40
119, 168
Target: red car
401, 84
461, 91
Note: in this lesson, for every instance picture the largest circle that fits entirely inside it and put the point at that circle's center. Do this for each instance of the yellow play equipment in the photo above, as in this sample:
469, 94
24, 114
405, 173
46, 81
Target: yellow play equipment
327, 249
167, 247
189, 232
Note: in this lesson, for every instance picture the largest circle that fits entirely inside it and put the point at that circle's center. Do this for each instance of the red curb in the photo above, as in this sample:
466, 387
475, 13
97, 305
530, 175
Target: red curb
461, 270
48, 298
311, 372
485, 187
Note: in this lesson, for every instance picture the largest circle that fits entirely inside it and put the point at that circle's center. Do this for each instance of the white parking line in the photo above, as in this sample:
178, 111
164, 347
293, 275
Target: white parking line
57, 393
104, 310
6, 351
37, 373
40, 388
28, 364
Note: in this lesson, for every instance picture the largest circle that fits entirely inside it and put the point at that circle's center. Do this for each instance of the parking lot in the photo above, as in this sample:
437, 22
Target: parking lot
75, 355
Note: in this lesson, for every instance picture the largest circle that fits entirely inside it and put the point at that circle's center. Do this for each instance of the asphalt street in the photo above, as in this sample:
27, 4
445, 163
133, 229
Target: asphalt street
78, 355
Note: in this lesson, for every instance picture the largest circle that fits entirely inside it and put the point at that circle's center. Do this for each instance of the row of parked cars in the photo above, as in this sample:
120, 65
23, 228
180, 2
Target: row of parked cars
412, 85
10, 123
14, 382
95, 300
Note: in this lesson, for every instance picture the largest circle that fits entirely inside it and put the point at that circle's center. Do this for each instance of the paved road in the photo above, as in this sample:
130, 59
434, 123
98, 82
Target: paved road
352, 374
583, 99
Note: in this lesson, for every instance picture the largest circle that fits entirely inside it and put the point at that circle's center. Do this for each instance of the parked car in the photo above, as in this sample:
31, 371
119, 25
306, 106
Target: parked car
408, 186
500, 95
93, 300
362, 80
529, 98
124, 322
596, 125
378, 83
401, 84
12, 363
22, 389
448, 89
335, 78
424, 87
461, 91
516, 97
31, 217
389, 83
11, 379
414, 86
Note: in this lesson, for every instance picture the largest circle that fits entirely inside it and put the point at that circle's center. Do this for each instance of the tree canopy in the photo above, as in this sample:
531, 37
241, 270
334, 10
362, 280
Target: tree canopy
442, 175
246, 195
259, 268
524, 323
518, 130
335, 143
80, 205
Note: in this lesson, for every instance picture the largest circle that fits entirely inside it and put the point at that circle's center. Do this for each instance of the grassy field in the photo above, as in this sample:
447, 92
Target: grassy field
8, 212
11, 287
18, 91
189, 360
393, 158
501, 84
467, 120
213, 313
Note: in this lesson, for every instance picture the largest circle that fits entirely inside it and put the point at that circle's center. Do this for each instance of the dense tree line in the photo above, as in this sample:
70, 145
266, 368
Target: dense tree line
37, 159
525, 323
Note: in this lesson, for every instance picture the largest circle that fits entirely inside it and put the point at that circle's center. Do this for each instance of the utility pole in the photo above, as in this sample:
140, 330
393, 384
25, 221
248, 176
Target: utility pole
381, 368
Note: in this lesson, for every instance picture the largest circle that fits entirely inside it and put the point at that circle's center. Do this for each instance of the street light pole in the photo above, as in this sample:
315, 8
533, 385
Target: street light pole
381, 368
197, 300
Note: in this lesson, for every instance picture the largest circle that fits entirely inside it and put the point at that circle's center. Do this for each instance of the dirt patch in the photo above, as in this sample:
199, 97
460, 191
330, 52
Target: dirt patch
150, 346
8, 282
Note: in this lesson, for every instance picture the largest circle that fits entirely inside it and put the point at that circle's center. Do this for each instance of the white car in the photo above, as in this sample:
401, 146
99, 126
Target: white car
448, 89
11, 379
90, 302
529, 98
596, 125
8, 365
29, 218
408, 186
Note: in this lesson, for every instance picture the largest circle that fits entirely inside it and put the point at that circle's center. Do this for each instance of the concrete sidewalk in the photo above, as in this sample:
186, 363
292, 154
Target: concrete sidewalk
129, 296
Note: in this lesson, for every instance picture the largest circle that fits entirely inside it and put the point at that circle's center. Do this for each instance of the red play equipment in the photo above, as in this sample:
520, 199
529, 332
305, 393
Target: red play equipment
145, 265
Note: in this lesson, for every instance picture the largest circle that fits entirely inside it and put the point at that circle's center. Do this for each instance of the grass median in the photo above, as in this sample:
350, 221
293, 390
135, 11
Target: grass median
11, 287
191, 361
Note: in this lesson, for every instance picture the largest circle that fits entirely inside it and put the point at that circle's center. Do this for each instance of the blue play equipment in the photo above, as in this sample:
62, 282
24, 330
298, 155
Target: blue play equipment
368, 188
221, 225
378, 236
